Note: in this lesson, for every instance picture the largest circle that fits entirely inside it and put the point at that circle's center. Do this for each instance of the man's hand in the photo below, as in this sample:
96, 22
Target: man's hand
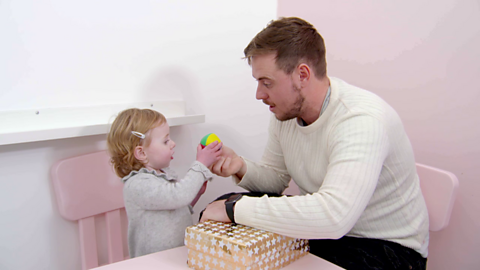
229, 164
215, 211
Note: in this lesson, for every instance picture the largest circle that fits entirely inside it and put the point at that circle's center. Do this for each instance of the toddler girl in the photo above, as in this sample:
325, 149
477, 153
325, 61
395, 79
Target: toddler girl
158, 203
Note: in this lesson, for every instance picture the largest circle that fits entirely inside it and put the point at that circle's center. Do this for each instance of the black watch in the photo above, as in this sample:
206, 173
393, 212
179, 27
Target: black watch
230, 203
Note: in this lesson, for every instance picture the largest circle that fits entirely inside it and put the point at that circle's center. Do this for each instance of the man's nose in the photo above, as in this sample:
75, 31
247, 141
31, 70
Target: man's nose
260, 93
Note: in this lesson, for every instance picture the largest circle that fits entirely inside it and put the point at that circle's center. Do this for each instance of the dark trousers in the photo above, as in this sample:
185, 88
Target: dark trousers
359, 253
363, 253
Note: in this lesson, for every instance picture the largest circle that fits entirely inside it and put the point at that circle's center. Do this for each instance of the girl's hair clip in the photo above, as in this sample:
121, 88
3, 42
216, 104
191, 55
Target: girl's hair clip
138, 134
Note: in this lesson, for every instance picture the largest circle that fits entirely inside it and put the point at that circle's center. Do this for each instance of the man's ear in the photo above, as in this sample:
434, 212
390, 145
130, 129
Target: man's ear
140, 155
304, 73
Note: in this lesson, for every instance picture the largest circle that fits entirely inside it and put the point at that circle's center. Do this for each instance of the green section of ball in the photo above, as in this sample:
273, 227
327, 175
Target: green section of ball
204, 139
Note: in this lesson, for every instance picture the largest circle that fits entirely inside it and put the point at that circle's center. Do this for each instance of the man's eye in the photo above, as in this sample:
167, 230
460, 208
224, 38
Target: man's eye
267, 85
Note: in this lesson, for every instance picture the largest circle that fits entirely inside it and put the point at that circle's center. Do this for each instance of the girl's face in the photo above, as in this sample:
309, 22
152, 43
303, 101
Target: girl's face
160, 151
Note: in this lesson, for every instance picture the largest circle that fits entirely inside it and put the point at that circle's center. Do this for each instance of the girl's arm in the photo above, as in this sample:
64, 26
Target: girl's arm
151, 191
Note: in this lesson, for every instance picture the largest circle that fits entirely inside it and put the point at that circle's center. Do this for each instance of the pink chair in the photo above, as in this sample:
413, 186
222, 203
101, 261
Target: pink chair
86, 186
439, 188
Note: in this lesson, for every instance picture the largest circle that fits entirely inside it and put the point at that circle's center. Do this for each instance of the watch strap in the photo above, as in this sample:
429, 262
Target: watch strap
229, 204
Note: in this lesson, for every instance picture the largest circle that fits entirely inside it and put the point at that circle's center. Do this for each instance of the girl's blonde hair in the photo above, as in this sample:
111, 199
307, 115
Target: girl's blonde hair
121, 142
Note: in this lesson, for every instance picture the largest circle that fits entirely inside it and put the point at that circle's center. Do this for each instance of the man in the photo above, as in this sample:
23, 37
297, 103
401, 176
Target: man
344, 147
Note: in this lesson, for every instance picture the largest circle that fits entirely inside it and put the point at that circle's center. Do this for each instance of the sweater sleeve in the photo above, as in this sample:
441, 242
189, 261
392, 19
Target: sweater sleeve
153, 192
357, 148
270, 175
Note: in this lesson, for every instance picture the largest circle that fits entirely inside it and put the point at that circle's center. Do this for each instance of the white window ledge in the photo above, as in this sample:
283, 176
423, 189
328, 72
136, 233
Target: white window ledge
58, 123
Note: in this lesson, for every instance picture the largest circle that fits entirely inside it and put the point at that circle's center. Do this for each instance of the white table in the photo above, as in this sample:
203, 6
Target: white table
176, 258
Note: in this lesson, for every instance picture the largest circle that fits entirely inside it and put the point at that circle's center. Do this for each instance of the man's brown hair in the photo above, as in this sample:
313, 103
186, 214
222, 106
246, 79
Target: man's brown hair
293, 40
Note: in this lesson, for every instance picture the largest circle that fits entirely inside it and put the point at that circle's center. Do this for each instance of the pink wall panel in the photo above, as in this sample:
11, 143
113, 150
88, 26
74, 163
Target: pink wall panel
423, 57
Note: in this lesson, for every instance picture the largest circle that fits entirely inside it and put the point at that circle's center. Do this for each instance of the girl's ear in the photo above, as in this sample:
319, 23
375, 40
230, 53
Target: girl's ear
140, 154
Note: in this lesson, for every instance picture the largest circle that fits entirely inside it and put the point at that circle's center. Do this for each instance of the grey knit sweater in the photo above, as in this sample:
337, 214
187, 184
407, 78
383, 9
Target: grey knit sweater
158, 207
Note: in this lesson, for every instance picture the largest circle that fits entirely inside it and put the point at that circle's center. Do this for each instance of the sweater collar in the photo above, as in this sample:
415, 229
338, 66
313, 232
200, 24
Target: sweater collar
167, 175
327, 112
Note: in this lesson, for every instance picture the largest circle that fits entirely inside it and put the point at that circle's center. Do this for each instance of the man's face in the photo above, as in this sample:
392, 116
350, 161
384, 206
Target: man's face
276, 88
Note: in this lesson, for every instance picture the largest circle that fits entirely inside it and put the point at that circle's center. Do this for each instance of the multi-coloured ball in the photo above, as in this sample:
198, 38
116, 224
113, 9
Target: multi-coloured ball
208, 139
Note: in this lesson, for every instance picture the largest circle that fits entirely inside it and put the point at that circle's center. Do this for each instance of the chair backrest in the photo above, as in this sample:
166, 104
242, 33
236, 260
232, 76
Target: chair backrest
86, 186
439, 188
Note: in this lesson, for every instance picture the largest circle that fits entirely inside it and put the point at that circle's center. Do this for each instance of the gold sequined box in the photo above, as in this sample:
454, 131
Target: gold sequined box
216, 245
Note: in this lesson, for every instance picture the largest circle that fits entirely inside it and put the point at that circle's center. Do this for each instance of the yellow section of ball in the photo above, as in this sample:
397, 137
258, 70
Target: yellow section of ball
211, 138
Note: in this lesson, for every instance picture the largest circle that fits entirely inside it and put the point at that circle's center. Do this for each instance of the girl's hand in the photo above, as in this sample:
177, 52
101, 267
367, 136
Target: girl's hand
210, 154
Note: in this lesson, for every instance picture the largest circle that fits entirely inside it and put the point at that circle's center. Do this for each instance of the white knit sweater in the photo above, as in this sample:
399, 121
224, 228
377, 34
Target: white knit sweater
355, 169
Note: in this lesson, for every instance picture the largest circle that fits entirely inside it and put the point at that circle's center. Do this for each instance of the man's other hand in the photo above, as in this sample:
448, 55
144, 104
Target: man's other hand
215, 211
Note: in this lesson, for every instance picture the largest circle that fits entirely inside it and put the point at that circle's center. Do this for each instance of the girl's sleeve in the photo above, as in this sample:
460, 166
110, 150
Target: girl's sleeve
153, 192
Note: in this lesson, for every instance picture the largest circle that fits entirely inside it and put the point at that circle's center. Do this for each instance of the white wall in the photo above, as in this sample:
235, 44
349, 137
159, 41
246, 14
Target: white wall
76, 53
422, 57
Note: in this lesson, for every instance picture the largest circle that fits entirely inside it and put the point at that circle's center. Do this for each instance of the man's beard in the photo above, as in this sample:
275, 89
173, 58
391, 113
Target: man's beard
294, 112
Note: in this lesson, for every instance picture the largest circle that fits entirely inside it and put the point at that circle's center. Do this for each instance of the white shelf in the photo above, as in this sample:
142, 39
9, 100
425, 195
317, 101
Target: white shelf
58, 123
